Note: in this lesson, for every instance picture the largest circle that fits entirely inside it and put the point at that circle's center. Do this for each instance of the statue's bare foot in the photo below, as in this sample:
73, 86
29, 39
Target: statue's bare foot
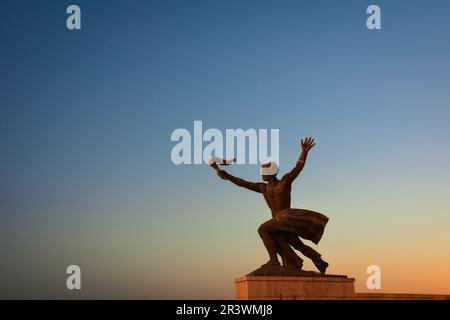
321, 265
271, 263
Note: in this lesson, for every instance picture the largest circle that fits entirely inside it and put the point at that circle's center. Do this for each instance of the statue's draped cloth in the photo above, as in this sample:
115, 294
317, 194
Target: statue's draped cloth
304, 223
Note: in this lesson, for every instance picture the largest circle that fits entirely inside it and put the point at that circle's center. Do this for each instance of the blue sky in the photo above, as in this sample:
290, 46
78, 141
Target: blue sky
86, 118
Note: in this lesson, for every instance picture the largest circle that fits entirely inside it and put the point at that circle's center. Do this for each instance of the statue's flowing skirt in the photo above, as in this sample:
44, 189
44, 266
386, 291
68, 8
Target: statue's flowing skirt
304, 223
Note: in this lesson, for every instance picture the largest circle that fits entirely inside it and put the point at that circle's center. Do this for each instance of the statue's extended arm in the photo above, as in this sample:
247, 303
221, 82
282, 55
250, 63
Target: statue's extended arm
307, 145
257, 187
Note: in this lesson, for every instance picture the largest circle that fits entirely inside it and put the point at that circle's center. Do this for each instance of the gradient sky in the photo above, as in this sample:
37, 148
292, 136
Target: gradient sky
86, 118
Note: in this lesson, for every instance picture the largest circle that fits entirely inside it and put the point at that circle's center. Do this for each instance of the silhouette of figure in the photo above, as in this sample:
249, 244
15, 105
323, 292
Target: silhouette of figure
287, 224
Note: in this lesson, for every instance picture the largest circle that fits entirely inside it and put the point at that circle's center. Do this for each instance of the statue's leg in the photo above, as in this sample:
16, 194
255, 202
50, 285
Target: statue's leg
308, 252
275, 242
266, 232
288, 256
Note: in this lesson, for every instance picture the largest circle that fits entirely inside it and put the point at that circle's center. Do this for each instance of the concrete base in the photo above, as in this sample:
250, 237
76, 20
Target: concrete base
294, 288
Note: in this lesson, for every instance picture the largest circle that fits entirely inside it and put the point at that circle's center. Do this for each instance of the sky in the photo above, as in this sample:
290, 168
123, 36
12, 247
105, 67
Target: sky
86, 118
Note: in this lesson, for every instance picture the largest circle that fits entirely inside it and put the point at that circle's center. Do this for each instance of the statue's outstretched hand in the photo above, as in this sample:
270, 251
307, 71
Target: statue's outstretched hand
308, 144
222, 174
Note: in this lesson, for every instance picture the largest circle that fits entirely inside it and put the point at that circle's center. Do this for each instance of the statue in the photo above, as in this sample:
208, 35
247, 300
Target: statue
283, 232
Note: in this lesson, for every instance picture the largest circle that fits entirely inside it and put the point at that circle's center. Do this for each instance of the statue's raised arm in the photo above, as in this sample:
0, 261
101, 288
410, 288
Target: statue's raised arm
257, 187
306, 144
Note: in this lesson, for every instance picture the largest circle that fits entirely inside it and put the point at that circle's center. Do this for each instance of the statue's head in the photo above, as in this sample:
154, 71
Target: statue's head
269, 171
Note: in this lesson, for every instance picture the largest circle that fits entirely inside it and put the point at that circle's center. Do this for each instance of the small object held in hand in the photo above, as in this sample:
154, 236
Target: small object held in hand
221, 161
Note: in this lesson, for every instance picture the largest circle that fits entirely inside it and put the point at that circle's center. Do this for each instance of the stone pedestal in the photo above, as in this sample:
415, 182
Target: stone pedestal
318, 287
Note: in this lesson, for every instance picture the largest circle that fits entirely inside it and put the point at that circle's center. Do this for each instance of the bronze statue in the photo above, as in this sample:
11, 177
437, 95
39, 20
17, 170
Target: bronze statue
282, 232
